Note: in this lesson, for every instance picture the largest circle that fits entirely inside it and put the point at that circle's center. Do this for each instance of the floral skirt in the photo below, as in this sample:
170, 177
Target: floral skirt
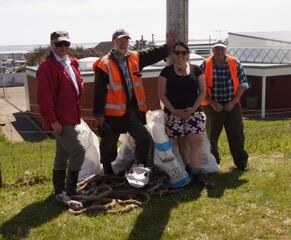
177, 127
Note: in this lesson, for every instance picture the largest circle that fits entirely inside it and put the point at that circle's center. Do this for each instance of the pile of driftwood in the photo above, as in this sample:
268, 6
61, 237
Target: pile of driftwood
112, 194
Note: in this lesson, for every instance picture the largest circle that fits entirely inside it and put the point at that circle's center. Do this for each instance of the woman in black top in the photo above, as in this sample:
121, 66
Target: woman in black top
181, 89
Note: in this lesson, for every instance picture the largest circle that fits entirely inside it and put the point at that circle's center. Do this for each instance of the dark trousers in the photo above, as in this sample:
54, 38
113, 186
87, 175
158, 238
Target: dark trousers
233, 125
142, 138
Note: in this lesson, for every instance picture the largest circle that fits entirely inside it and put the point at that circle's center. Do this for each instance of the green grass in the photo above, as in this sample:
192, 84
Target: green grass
251, 205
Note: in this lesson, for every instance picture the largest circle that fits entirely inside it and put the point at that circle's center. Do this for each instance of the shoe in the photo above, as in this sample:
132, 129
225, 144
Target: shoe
201, 181
61, 197
243, 168
72, 204
107, 169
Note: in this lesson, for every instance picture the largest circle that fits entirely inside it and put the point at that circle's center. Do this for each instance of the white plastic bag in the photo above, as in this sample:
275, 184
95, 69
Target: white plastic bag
90, 141
164, 158
209, 164
125, 154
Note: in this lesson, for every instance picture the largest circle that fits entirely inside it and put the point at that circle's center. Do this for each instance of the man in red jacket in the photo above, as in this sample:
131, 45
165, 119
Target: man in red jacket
59, 91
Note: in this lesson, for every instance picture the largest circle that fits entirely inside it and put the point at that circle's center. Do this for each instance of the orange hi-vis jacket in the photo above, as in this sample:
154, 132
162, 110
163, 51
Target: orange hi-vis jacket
208, 70
115, 103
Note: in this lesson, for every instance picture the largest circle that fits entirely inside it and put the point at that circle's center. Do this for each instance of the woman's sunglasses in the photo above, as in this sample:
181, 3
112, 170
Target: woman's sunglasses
62, 44
180, 52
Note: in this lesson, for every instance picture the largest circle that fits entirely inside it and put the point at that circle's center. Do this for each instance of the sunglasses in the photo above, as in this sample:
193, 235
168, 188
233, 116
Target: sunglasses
62, 44
180, 52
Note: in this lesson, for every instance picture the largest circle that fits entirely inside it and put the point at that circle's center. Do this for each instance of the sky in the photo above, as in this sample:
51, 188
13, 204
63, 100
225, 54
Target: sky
25, 22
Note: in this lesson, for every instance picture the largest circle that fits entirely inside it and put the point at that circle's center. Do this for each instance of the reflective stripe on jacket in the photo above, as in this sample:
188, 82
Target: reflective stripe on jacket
208, 70
115, 104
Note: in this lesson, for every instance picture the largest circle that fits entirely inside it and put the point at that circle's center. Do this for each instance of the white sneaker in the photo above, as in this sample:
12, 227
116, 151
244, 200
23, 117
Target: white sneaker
72, 204
138, 176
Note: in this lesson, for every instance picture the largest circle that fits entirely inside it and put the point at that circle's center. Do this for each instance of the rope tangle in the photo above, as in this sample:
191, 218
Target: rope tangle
113, 195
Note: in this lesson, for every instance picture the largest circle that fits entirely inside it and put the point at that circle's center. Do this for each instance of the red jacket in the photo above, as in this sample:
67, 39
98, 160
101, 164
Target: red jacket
57, 97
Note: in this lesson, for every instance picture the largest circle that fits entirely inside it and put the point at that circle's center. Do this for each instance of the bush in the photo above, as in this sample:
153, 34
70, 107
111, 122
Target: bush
36, 56
21, 68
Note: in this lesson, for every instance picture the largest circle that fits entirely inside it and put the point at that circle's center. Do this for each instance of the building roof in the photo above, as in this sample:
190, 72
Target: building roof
262, 55
86, 64
279, 36
104, 47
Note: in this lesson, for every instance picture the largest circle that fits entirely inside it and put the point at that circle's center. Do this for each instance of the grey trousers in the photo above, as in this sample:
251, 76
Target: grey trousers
69, 151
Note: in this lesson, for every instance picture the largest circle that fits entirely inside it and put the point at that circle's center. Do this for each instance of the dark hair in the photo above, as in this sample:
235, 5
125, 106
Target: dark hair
182, 44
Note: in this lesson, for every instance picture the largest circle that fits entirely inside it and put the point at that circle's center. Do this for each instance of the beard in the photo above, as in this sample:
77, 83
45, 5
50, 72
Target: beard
121, 51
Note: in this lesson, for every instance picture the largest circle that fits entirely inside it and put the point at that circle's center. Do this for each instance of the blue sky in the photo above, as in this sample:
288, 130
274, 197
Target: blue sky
31, 21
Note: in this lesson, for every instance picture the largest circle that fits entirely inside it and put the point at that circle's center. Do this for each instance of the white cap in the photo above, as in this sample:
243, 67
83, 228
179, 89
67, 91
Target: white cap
219, 44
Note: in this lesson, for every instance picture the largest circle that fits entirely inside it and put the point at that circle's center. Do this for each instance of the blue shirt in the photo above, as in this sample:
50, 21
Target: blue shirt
124, 68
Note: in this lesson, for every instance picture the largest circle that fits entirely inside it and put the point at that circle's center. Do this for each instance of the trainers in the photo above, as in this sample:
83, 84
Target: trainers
61, 197
138, 176
72, 204
201, 181
243, 168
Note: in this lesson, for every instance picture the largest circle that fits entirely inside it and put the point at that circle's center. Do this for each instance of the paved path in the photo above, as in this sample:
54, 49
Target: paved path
13, 113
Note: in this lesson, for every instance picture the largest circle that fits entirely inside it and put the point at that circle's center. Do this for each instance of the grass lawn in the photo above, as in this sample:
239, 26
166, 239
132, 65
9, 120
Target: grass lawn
251, 205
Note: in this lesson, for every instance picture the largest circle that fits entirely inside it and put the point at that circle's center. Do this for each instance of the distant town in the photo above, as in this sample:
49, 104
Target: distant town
11, 57
10, 61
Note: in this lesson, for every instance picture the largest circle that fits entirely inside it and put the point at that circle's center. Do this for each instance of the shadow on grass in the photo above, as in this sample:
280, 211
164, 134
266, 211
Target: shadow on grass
225, 180
152, 221
28, 127
32, 216
154, 218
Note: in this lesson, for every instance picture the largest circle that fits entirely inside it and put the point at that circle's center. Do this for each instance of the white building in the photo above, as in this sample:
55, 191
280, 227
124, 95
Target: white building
266, 57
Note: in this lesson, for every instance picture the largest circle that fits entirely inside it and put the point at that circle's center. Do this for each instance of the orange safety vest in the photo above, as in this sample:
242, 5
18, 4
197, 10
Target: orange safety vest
115, 104
208, 70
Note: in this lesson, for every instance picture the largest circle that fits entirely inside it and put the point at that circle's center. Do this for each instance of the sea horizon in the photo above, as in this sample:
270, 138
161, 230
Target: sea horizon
24, 48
